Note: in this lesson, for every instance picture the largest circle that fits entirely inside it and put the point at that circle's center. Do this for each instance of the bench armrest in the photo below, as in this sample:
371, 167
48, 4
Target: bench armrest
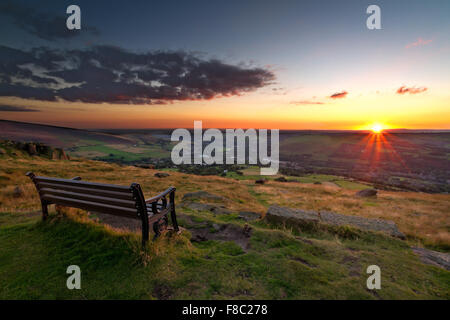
161, 195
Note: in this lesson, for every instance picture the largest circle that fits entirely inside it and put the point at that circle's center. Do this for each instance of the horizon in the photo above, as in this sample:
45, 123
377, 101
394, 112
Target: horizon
395, 130
277, 65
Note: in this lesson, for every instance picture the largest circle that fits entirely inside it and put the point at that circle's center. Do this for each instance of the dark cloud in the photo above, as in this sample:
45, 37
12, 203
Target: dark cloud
411, 90
305, 102
114, 75
5, 108
339, 95
42, 25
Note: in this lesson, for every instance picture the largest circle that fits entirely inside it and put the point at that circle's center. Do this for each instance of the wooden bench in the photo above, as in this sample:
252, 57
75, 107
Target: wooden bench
110, 199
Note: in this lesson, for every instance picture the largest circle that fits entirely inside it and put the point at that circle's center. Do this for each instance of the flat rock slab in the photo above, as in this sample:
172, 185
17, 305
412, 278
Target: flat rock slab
214, 208
249, 216
367, 193
224, 232
202, 195
297, 217
369, 224
204, 231
435, 258
291, 217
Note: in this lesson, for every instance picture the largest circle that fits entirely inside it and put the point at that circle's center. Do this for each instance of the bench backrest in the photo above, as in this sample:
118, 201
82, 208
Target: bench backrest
127, 201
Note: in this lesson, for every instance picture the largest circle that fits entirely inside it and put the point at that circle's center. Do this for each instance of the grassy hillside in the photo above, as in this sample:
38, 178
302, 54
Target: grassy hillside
278, 264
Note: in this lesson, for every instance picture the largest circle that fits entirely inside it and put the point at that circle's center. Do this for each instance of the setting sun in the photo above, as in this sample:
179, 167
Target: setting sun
377, 128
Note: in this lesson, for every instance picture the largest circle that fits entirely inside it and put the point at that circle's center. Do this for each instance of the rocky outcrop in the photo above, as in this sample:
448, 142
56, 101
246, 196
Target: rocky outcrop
161, 174
435, 258
301, 218
35, 149
367, 193
291, 217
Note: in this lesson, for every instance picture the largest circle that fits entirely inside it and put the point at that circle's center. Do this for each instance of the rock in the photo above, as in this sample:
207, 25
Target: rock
367, 193
59, 154
317, 182
31, 149
206, 207
198, 206
161, 174
202, 195
17, 192
434, 258
300, 218
369, 224
220, 210
144, 166
247, 231
291, 217
225, 232
249, 216
260, 181
281, 179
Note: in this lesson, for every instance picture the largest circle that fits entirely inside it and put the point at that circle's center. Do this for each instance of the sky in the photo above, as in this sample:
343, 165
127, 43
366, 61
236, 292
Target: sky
232, 64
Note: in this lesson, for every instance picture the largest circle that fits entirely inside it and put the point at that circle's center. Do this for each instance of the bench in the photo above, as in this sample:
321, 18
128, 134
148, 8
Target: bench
124, 201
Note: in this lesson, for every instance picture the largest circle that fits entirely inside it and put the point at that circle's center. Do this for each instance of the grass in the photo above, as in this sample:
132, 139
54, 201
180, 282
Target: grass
280, 263
35, 255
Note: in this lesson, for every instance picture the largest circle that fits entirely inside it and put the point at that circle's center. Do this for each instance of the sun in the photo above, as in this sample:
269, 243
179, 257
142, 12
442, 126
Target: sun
377, 128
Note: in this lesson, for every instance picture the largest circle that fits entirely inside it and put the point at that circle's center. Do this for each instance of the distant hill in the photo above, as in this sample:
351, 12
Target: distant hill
61, 137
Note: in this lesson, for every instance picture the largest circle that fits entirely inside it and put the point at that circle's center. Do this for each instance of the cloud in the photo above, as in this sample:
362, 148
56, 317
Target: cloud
305, 102
42, 25
5, 108
114, 75
339, 95
411, 90
419, 42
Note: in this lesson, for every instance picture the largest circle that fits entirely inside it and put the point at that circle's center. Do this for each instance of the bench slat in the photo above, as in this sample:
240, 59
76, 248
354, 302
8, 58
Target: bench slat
84, 184
78, 189
89, 197
93, 206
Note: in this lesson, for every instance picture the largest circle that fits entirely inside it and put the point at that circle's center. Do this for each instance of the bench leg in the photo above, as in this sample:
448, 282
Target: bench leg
145, 233
173, 215
44, 205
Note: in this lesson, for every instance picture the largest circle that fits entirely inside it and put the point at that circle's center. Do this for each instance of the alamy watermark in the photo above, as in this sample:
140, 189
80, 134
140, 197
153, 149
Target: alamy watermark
74, 280
240, 147
374, 280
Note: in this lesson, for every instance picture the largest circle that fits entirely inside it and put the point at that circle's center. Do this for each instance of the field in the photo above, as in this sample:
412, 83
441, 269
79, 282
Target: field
278, 263
398, 160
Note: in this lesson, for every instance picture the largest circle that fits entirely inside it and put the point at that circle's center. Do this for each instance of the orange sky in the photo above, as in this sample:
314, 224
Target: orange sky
428, 110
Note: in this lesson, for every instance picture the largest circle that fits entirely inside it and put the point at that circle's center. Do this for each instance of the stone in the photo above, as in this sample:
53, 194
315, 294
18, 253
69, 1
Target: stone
249, 216
281, 179
17, 192
206, 207
202, 195
31, 149
366, 193
301, 218
369, 224
291, 217
435, 258
260, 181
161, 174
